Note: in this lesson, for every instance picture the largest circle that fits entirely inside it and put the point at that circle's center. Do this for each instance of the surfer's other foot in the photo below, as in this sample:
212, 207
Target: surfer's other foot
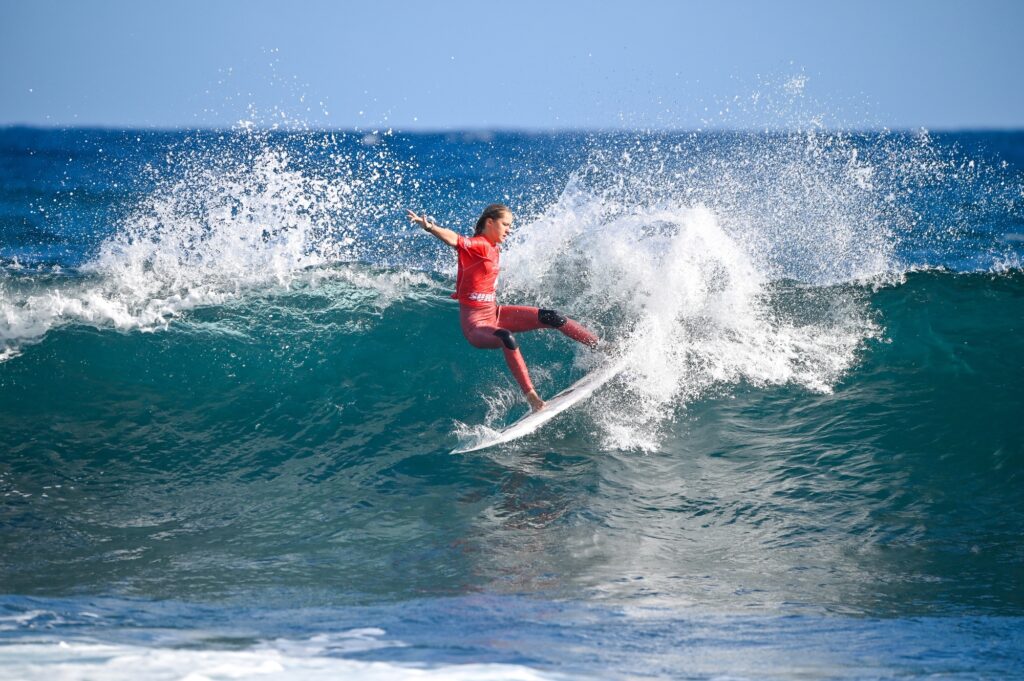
536, 404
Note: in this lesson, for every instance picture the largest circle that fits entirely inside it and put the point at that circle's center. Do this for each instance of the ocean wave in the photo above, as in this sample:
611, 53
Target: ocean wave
293, 435
709, 262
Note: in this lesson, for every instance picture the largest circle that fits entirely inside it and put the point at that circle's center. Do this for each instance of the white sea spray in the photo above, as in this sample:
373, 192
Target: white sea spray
688, 264
218, 225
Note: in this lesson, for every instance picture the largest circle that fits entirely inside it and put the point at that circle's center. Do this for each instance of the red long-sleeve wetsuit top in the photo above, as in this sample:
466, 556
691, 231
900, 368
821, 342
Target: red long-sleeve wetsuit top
478, 271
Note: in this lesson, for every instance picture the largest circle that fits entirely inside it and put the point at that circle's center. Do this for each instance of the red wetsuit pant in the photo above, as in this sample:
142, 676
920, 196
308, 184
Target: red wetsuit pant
492, 327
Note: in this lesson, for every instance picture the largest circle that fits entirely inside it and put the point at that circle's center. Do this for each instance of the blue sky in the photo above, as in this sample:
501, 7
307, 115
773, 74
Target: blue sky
532, 65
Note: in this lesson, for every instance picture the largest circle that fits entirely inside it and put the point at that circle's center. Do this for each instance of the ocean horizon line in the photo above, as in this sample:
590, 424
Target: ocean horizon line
508, 130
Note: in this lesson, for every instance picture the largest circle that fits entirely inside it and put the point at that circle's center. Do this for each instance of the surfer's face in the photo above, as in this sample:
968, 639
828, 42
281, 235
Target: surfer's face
496, 229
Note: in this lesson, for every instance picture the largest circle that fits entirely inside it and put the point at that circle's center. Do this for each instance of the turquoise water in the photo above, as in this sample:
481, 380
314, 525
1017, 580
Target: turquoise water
232, 379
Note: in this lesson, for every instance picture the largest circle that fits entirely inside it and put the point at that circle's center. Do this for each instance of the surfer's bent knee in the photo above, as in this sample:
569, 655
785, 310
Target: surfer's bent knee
552, 318
507, 339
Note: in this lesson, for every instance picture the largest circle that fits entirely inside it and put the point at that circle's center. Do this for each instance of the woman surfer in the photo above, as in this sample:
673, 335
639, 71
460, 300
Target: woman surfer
485, 324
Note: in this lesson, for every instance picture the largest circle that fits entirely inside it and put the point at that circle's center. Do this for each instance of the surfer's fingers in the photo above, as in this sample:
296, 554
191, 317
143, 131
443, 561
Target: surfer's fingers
422, 220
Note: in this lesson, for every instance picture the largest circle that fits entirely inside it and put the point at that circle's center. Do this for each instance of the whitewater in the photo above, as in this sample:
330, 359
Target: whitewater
231, 379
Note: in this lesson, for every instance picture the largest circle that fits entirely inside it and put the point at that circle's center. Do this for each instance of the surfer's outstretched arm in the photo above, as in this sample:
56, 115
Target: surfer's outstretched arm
443, 233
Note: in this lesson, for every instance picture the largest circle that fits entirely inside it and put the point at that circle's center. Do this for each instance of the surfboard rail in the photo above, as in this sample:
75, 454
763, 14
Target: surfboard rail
574, 394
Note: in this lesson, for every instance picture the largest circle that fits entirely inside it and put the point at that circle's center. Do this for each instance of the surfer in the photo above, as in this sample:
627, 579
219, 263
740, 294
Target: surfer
485, 324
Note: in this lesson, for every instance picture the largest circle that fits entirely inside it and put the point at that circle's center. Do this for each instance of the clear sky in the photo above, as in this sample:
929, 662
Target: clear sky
536, 65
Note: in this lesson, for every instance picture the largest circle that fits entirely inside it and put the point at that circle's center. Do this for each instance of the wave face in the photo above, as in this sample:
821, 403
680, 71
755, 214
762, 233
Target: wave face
229, 371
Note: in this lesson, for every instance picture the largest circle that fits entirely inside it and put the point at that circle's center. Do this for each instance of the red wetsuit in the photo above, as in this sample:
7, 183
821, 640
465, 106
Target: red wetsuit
485, 324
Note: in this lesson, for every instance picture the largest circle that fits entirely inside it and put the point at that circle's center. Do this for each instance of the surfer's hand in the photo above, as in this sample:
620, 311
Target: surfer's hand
430, 227
421, 220
536, 404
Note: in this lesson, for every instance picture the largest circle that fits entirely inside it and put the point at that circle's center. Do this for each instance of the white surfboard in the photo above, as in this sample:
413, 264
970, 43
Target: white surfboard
574, 394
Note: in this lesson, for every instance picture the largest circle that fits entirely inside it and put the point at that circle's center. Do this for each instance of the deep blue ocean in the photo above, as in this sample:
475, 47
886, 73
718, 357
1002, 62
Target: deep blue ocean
231, 379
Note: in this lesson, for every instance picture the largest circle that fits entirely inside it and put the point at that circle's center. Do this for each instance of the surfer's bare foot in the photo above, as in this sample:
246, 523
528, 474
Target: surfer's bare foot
536, 404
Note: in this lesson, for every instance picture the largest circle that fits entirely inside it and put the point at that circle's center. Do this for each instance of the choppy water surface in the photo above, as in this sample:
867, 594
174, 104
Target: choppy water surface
231, 379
